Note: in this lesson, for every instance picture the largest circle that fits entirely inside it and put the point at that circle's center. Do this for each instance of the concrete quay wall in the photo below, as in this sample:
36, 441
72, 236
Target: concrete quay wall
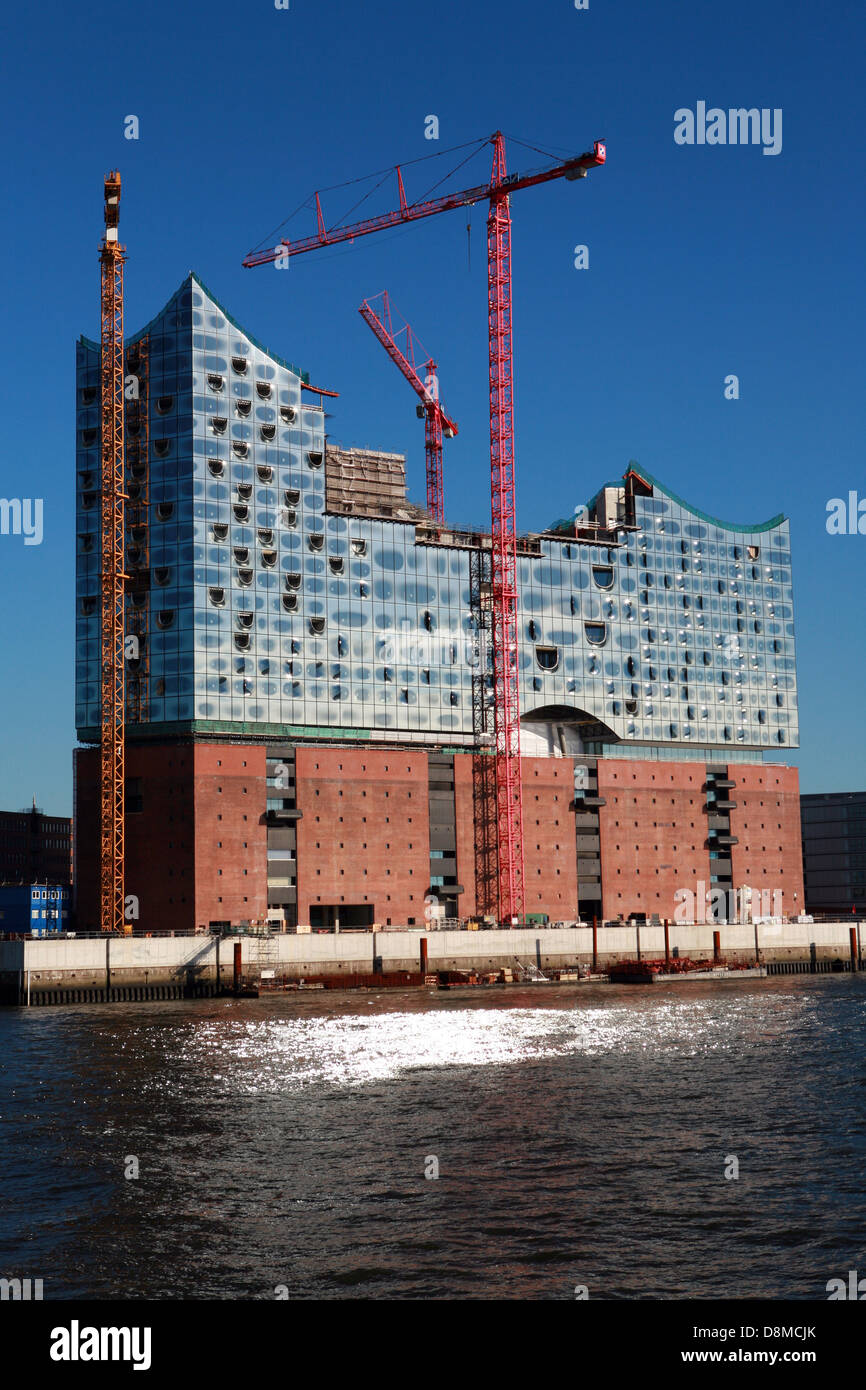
191, 962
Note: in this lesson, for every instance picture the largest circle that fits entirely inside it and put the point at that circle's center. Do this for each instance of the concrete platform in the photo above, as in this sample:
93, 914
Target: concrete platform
199, 965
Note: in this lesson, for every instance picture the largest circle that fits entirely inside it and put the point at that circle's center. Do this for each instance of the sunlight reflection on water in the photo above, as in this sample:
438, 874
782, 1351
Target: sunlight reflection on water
287, 1054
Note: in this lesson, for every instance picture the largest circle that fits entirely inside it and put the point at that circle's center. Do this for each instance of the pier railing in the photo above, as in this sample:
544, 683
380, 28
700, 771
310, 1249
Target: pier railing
443, 924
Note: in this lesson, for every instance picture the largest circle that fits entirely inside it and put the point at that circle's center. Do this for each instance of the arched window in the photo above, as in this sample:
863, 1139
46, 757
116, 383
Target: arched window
547, 658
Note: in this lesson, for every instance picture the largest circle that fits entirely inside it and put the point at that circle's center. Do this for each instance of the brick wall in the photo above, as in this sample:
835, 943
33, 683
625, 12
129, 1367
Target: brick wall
159, 838
230, 833
549, 845
550, 863
197, 849
766, 822
85, 816
653, 834
364, 836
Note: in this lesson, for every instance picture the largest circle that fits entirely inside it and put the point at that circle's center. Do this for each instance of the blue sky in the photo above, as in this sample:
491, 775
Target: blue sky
703, 261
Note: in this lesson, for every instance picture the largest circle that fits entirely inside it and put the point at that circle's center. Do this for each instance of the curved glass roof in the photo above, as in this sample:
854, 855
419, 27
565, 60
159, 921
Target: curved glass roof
133, 337
648, 478
566, 524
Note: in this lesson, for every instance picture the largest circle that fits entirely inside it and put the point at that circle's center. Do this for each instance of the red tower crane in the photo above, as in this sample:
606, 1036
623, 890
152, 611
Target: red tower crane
436, 422
506, 689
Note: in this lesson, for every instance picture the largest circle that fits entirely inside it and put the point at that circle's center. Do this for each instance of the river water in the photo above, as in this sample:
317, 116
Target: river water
582, 1137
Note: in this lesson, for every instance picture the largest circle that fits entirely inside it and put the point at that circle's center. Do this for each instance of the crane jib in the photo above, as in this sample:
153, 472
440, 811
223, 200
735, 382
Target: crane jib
412, 212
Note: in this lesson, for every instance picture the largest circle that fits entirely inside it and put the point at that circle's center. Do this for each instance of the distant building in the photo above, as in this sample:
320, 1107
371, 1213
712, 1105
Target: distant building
35, 847
309, 683
834, 851
34, 909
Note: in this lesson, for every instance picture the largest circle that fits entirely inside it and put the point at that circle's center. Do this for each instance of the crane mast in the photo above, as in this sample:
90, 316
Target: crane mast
506, 684
506, 681
436, 423
112, 256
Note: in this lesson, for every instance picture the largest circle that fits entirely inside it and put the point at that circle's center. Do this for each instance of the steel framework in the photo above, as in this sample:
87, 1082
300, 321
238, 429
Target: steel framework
506, 706
506, 683
436, 422
112, 256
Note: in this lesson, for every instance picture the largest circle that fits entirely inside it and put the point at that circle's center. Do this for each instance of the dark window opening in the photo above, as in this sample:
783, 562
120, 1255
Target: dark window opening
547, 658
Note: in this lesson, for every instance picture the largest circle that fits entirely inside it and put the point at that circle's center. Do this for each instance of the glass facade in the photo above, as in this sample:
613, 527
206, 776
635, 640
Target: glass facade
262, 612
834, 851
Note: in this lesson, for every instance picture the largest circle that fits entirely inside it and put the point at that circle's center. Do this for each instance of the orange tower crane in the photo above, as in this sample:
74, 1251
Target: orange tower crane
111, 578
436, 422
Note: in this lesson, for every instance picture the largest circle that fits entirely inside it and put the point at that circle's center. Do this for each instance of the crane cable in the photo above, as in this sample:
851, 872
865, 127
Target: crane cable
473, 145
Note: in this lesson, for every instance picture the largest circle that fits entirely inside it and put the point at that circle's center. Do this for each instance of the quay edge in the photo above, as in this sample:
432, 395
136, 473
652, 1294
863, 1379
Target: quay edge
124, 969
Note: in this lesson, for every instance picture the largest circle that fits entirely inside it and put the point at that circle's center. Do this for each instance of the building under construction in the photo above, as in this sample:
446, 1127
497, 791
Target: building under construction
309, 724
